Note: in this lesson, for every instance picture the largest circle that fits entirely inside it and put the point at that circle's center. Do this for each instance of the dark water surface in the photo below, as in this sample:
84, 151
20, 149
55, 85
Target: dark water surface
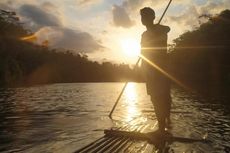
64, 117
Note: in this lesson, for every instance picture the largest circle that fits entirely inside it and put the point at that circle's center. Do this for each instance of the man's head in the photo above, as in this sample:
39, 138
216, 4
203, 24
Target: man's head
147, 16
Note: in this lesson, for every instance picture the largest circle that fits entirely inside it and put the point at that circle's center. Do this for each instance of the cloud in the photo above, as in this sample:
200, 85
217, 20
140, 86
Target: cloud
88, 2
133, 4
69, 39
39, 16
48, 6
45, 19
121, 17
214, 7
136, 5
6, 5
188, 18
125, 14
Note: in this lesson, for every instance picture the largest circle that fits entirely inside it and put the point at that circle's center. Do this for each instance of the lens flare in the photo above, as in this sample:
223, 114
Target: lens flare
31, 38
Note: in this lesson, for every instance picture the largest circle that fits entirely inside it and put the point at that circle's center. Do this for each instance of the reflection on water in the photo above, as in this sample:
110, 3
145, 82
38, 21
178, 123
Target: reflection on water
130, 102
65, 117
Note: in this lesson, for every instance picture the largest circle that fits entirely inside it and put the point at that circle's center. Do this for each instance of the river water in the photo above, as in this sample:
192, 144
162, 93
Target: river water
64, 117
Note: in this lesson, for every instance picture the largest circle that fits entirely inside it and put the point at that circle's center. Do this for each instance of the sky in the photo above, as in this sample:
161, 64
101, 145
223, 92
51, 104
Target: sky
106, 30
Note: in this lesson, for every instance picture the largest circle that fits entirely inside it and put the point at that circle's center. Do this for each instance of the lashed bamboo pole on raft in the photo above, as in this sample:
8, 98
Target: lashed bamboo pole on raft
109, 143
123, 89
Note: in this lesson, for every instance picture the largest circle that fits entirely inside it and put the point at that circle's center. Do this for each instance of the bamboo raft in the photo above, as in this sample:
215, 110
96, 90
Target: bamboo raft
135, 136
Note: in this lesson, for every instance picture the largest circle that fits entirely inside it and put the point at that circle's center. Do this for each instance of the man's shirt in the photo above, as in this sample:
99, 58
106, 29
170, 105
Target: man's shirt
154, 41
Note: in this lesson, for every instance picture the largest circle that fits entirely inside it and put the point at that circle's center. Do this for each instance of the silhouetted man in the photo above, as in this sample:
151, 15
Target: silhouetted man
154, 48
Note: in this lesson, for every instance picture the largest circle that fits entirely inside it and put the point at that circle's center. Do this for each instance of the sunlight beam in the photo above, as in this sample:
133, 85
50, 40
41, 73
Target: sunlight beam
164, 72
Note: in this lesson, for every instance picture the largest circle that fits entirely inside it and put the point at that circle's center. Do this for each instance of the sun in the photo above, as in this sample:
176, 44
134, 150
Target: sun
130, 47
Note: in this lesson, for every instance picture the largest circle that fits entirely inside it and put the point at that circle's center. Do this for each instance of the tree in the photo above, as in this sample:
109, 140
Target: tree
201, 56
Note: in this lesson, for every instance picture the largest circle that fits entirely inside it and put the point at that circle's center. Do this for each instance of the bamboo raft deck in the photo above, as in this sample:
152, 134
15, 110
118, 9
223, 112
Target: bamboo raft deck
116, 139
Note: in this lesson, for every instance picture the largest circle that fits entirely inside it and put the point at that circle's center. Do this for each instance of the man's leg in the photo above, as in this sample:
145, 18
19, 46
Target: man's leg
168, 103
168, 111
160, 112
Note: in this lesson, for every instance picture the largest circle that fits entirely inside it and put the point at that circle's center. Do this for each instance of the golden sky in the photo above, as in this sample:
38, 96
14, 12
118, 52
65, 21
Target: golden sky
105, 30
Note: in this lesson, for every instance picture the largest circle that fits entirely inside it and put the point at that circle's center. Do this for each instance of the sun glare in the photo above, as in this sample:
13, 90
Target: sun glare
130, 47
